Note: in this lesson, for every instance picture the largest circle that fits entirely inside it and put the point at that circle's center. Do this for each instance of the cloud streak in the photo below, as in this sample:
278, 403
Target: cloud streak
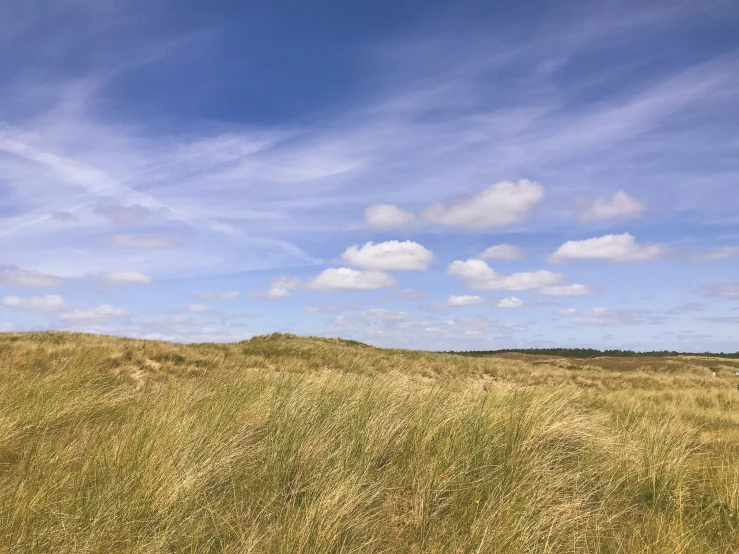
11, 276
49, 302
605, 317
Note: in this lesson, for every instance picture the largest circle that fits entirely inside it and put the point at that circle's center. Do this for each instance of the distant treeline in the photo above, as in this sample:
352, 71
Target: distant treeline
591, 353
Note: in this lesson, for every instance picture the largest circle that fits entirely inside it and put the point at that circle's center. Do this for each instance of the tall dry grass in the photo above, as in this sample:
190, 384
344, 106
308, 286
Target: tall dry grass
291, 445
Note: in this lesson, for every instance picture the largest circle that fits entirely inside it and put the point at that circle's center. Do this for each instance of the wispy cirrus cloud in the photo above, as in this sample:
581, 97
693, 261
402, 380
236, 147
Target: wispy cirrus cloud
447, 140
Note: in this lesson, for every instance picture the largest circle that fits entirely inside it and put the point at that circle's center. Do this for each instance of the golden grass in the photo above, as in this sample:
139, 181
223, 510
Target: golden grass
307, 445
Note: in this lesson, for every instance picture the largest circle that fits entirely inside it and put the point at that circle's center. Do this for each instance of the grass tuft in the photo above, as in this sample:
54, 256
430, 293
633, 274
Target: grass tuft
305, 445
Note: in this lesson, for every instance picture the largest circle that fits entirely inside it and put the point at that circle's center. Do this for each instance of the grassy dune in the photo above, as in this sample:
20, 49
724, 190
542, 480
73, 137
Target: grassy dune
306, 445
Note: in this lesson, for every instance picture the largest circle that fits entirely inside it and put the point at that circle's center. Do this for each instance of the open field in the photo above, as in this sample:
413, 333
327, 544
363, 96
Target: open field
308, 445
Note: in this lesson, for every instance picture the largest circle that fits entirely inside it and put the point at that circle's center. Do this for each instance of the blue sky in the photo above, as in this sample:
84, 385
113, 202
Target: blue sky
468, 175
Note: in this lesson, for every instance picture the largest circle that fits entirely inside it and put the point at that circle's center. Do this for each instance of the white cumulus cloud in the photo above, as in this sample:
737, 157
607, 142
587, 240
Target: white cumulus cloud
576, 289
510, 302
504, 252
48, 302
465, 300
480, 276
390, 256
501, 204
615, 248
618, 206
280, 287
387, 216
345, 278
198, 308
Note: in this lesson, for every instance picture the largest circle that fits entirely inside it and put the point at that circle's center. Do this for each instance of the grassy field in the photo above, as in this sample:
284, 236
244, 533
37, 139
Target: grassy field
308, 445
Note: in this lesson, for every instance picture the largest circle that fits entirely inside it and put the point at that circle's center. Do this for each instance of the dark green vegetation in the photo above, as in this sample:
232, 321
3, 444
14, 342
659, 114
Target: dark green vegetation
593, 353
